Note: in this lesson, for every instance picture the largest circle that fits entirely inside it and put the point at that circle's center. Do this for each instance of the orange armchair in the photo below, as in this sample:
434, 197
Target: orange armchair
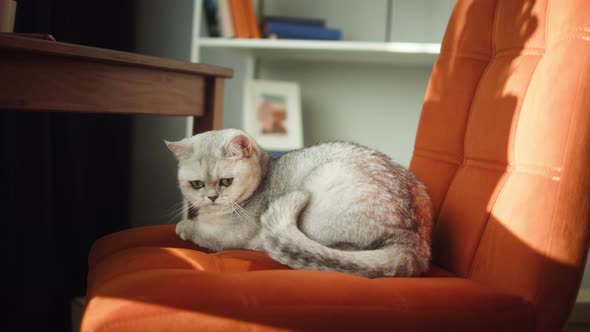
503, 145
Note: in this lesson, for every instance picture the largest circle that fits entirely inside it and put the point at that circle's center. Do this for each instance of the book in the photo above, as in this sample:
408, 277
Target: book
252, 19
239, 19
300, 31
225, 17
210, 10
317, 22
276, 154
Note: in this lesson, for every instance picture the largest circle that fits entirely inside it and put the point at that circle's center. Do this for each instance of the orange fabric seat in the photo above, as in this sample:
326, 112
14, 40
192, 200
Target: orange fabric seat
236, 290
503, 146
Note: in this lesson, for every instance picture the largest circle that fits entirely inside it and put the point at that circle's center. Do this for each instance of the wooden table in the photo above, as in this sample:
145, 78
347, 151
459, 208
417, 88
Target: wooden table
43, 75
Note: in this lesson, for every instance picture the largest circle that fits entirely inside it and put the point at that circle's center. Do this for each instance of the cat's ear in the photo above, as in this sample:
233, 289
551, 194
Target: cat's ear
238, 147
180, 149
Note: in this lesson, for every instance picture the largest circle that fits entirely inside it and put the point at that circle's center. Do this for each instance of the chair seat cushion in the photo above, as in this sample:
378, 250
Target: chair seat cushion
146, 279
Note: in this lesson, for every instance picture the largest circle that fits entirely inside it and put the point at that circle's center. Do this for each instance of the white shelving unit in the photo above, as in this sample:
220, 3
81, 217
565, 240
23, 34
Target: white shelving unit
385, 58
337, 51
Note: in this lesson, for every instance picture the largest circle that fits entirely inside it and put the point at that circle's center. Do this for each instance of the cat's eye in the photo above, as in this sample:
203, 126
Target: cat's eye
197, 184
226, 182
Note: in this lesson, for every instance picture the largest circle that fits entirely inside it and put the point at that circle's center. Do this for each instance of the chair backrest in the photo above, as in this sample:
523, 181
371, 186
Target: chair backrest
503, 145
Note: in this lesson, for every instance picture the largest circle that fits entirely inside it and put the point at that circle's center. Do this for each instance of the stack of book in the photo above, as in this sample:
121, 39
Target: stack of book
285, 27
237, 19
231, 18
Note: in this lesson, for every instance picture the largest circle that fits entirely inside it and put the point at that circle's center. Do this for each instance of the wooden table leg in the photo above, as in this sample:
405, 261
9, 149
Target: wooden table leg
213, 118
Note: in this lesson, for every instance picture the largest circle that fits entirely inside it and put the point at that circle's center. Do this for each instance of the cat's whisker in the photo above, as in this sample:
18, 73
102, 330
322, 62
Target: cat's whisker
192, 208
236, 211
251, 213
247, 212
230, 205
176, 218
244, 211
174, 208
176, 213
241, 212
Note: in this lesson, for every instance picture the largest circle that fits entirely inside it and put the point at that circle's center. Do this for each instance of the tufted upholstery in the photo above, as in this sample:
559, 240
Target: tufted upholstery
503, 145
506, 126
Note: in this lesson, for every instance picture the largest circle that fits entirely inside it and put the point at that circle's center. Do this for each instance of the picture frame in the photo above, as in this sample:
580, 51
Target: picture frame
272, 114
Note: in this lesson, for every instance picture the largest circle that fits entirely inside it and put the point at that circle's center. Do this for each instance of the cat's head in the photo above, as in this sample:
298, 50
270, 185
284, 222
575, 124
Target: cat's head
218, 168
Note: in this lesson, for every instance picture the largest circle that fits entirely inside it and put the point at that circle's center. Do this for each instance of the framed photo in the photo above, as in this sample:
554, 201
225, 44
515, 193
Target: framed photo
272, 114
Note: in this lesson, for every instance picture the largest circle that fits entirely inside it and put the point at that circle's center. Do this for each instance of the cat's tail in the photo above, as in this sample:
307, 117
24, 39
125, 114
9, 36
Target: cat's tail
285, 243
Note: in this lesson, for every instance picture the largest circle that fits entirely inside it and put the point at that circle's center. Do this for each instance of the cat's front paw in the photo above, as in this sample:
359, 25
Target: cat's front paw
184, 229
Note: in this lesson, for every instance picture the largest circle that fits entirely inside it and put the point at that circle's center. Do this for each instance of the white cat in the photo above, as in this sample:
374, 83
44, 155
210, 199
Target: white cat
333, 206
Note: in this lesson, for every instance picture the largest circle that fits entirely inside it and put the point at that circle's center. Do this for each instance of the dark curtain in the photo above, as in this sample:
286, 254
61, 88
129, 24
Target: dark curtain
66, 177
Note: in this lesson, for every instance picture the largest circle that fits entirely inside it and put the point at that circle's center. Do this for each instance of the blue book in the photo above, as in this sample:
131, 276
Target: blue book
300, 31
316, 22
276, 154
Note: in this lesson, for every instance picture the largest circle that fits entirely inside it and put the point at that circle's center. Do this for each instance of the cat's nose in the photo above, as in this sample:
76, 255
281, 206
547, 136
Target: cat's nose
212, 198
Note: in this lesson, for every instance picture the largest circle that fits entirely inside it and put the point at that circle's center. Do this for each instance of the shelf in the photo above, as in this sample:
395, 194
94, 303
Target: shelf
334, 51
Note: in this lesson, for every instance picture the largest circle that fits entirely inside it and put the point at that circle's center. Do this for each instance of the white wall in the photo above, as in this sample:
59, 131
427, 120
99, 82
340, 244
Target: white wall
374, 105
419, 20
